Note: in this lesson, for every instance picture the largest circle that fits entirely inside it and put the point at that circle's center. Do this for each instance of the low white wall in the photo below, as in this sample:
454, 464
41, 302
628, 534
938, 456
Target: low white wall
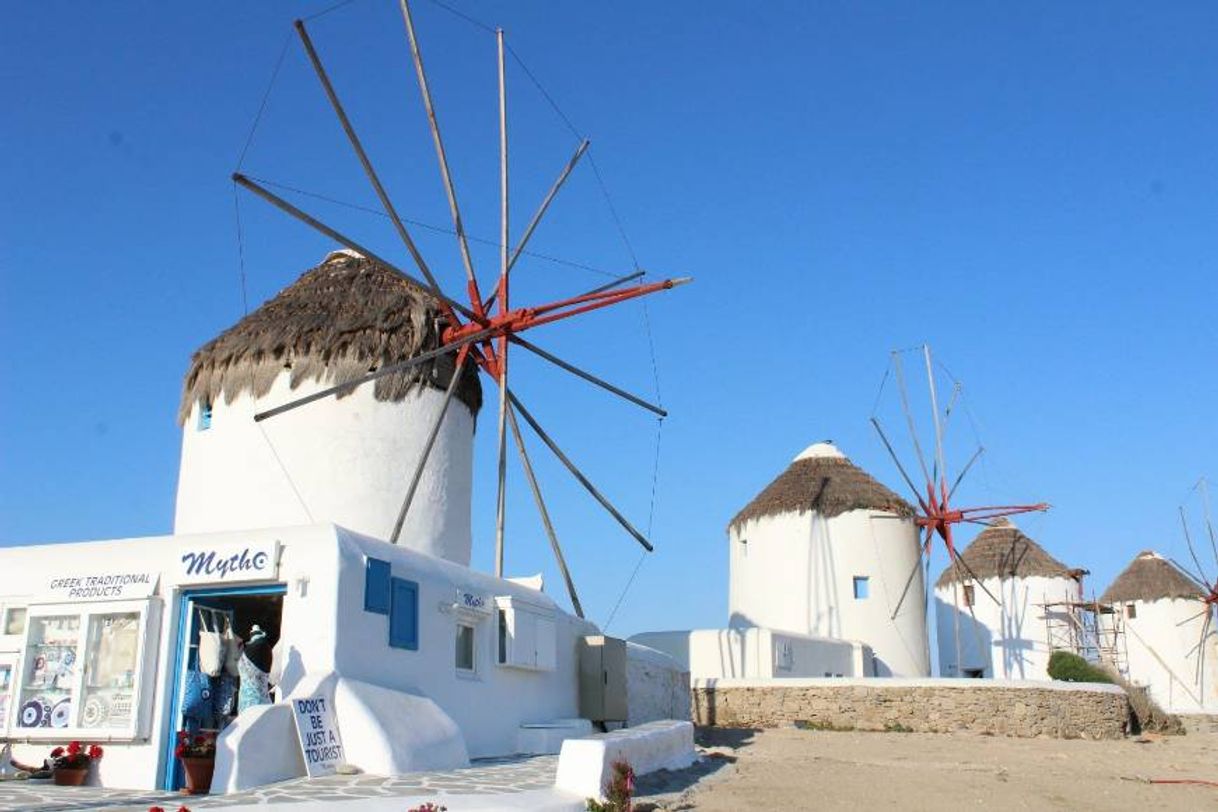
585, 765
758, 653
657, 686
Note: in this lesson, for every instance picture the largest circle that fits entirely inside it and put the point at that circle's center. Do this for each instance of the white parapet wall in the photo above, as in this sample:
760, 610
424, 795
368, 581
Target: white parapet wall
586, 765
657, 686
759, 653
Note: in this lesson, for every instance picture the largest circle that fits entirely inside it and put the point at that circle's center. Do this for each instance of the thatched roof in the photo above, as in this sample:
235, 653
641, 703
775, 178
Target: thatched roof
338, 321
822, 479
1003, 551
1150, 577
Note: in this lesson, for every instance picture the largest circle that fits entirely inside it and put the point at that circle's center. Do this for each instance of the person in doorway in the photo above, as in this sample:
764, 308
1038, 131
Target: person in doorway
254, 668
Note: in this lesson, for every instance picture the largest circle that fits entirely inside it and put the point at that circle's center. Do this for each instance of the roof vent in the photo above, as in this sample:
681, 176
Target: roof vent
820, 451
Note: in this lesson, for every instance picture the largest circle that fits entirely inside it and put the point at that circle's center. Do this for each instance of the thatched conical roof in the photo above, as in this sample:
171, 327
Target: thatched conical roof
1003, 551
338, 321
822, 479
1150, 577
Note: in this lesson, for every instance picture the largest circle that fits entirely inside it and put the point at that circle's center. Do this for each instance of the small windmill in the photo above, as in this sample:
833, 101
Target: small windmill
1209, 598
936, 514
480, 331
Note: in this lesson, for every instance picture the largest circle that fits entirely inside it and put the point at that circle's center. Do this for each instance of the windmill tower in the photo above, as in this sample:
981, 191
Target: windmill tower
1007, 639
823, 550
937, 515
473, 336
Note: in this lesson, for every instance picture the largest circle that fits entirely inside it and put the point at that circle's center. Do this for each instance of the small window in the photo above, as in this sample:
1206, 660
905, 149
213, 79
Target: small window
968, 595
14, 621
974, 673
862, 587
744, 548
503, 635
1131, 610
465, 647
205, 415
377, 577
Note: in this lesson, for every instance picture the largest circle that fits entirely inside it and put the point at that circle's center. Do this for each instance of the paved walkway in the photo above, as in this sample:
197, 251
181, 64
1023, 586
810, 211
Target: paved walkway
483, 777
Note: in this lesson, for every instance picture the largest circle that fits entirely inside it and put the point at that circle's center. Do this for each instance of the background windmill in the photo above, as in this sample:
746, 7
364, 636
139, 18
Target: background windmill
1209, 596
478, 330
937, 515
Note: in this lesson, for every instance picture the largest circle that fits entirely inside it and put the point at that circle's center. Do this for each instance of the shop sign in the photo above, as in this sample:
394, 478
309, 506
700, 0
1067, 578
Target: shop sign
317, 730
228, 563
101, 586
473, 602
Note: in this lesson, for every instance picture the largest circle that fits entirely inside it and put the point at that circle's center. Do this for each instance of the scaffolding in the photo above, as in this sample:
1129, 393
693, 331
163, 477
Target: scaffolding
1094, 631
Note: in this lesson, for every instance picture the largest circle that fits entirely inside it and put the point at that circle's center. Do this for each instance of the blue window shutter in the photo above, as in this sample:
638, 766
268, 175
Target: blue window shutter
376, 586
404, 614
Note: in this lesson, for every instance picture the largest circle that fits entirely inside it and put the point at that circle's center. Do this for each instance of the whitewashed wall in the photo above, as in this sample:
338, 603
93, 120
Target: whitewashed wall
796, 574
1163, 643
342, 460
1008, 638
657, 686
759, 653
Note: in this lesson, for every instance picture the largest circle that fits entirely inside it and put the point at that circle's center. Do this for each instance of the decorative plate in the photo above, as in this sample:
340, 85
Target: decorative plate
95, 712
61, 713
34, 713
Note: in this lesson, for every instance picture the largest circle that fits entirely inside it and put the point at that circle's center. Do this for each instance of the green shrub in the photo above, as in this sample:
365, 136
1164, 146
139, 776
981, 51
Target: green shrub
1069, 667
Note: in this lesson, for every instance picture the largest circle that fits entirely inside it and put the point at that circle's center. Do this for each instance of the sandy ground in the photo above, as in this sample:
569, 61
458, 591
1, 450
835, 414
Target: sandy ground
805, 769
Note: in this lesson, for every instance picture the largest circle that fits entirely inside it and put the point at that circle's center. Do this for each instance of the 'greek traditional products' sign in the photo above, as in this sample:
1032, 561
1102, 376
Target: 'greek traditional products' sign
101, 586
228, 563
318, 733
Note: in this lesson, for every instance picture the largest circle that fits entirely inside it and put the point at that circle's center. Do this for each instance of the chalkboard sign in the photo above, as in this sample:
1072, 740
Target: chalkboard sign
317, 730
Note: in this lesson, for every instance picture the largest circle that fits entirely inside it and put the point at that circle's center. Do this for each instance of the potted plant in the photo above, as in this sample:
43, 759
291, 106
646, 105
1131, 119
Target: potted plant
198, 756
70, 765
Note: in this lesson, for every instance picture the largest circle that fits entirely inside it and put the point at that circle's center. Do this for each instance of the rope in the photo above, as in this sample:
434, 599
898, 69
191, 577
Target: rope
655, 477
430, 227
464, 16
249, 139
245, 302
328, 9
621, 230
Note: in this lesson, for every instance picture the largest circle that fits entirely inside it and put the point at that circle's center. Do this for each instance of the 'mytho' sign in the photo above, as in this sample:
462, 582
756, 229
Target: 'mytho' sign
228, 563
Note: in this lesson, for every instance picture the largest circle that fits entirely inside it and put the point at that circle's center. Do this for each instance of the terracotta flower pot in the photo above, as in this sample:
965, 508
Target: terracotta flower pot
69, 777
198, 774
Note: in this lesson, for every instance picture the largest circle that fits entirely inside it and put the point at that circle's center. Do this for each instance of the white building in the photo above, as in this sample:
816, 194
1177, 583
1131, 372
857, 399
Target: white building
423, 662
825, 550
817, 563
1005, 636
1164, 616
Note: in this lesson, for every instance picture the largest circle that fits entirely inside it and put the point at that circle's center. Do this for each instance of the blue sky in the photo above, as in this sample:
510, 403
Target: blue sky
1030, 188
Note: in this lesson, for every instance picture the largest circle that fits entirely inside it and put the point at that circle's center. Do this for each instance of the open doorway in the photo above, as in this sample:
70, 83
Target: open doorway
244, 623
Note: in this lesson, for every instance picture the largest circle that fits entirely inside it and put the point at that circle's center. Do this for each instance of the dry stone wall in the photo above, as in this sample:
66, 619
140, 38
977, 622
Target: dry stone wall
998, 707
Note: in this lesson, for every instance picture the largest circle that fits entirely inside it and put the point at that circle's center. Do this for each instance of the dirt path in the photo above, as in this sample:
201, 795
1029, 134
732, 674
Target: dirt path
805, 769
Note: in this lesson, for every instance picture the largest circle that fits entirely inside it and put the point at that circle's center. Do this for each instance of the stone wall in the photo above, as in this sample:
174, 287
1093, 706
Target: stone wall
999, 707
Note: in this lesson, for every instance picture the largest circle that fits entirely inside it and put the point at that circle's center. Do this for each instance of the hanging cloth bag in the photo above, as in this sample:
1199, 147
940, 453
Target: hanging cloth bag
211, 644
232, 648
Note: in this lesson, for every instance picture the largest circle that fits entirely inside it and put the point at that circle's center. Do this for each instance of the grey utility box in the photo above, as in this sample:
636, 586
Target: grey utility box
602, 678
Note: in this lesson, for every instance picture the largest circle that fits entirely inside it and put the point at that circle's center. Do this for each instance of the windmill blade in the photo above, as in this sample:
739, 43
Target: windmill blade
1209, 525
587, 376
501, 361
431, 441
621, 280
960, 478
381, 194
884, 438
372, 376
579, 476
1195, 576
541, 210
922, 545
955, 554
1191, 551
1188, 620
545, 514
940, 463
898, 369
286, 207
442, 159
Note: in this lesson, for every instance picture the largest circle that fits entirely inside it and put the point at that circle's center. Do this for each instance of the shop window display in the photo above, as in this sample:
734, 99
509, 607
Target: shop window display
50, 681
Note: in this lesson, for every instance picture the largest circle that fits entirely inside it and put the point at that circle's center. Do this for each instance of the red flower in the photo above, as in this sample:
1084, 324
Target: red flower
183, 736
156, 809
183, 808
57, 752
200, 740
95, 752
73, 748
180, 750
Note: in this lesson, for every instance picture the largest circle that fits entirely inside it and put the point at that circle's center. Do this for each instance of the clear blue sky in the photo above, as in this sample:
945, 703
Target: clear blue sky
1031, 188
